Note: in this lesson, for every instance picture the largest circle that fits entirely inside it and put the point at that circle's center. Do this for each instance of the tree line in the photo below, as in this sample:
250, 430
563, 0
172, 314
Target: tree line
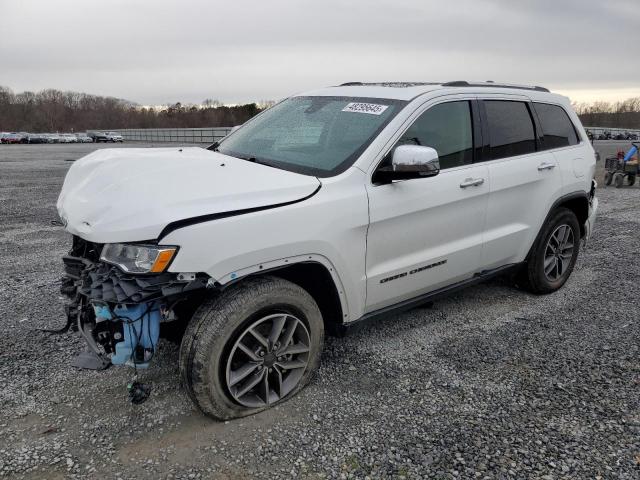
57, 111
623, 114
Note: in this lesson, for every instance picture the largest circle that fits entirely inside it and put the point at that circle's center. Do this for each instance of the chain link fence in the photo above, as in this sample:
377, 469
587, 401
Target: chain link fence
179, 135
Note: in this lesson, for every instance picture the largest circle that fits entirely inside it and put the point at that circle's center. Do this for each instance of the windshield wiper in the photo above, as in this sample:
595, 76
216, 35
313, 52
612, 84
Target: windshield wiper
259, 161
247, 158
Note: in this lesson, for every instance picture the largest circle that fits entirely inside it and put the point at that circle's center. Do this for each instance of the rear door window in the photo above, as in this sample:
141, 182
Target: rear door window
511, 130
556, 126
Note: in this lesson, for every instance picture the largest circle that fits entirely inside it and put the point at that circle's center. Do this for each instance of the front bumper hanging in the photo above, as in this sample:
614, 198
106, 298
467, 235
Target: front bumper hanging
119, 313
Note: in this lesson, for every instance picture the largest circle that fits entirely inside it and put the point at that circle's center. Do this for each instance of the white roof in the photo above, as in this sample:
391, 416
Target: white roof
410, 90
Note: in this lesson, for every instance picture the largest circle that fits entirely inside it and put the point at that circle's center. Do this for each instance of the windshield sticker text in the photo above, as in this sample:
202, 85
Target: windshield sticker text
370, 108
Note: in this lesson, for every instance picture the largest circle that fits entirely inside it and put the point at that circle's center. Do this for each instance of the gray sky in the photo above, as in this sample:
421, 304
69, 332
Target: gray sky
161, 51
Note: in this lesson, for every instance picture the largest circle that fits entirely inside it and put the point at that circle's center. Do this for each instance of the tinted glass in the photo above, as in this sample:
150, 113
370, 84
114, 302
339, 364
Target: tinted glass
511, 129
557, 129
447, 128
312, 135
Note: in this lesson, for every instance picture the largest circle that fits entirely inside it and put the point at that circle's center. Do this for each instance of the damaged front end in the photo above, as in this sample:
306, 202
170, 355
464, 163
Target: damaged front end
119, 313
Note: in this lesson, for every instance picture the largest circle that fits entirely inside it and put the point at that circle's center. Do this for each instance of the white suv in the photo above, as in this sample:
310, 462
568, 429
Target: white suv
114, 137
333, 207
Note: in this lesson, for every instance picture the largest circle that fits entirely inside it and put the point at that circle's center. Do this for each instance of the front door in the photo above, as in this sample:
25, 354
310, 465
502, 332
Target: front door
427, 233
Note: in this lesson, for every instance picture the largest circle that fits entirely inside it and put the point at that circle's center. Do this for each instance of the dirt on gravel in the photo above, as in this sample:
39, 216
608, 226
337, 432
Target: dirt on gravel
490, 383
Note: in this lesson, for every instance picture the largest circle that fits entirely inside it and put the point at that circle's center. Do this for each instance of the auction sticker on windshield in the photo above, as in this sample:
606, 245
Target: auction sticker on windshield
370, 108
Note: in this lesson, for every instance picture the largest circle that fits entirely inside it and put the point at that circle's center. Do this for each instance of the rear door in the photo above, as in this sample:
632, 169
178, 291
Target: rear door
427, 233
524, 178
575, 157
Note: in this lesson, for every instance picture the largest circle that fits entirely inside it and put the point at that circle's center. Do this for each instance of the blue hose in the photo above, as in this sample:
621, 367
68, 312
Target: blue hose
632, 151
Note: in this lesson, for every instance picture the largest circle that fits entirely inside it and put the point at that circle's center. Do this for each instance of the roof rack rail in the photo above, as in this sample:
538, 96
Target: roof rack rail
464, 83
350, 84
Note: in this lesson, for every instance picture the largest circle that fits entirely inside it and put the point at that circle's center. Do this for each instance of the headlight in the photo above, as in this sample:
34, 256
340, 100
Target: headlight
138, 258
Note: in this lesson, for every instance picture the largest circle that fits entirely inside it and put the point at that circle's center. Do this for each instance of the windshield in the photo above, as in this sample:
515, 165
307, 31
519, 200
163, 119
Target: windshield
320, 136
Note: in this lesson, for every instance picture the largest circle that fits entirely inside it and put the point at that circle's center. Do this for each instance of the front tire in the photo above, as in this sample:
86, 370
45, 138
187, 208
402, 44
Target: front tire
554, 253
254, 346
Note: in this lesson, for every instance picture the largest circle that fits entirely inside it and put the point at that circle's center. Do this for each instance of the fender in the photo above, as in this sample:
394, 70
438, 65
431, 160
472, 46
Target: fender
579, 195
274, 265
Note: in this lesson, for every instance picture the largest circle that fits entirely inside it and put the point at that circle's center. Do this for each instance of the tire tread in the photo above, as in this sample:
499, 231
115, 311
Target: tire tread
207, 327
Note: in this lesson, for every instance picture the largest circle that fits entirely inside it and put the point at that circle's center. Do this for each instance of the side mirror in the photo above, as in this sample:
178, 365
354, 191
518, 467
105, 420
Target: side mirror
409, 161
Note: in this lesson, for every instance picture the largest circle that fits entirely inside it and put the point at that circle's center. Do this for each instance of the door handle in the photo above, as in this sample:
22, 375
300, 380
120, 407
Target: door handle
472, 182
546, 166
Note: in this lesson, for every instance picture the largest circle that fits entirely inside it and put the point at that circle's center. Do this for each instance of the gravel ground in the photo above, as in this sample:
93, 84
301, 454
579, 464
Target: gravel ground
490, 383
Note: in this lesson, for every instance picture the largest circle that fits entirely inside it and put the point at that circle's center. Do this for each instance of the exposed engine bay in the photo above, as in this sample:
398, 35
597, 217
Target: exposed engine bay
119, 314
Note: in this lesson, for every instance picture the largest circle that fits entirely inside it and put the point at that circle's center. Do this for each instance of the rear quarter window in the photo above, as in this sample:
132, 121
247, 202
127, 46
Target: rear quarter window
557, 128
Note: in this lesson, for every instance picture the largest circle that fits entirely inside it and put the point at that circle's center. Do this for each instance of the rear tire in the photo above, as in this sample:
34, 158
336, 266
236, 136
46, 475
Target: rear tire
553, 254
220, 342
618, 179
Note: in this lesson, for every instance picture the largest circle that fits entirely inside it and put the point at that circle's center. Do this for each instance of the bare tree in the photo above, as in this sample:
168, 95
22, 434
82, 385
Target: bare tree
53, 110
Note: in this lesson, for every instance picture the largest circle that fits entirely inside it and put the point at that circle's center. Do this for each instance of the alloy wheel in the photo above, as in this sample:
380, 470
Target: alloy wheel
268, 360
558, 252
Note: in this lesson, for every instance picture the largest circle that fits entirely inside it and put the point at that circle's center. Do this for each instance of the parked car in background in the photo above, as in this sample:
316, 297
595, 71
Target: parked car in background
69, 138
98, 136
632, 136
2, 135
620, 136
83, 138
36, 138
114, 137
13, 138
606, 135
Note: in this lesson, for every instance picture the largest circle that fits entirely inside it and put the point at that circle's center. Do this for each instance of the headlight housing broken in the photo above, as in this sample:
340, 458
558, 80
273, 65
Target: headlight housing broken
138, 258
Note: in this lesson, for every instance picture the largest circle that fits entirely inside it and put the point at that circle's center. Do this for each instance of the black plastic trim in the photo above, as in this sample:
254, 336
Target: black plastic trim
537, 126
173, 226
429, 297
478, 134
565, 198
485, 149
556, 204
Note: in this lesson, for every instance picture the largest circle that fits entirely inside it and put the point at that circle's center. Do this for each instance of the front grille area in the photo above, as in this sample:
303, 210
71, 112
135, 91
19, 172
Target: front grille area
108, 283
87, 276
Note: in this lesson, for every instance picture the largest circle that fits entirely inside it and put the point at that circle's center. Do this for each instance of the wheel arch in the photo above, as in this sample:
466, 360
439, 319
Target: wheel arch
577, 202
316, 275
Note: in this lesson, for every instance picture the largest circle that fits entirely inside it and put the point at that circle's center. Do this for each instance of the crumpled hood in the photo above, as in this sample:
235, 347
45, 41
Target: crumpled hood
131, 194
